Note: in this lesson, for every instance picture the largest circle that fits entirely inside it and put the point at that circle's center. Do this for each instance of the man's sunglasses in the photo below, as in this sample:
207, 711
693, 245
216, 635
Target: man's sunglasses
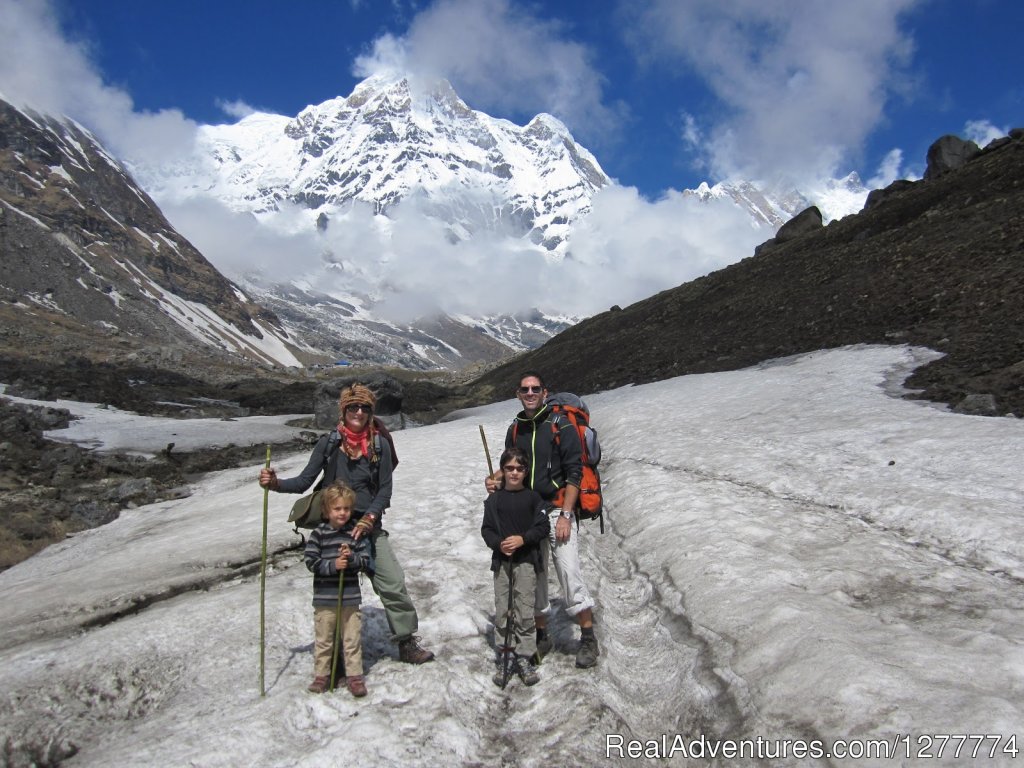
359, 407
530, 390
514, 468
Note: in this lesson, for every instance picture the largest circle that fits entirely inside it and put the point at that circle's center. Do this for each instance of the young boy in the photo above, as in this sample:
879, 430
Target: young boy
331, 551
514, 526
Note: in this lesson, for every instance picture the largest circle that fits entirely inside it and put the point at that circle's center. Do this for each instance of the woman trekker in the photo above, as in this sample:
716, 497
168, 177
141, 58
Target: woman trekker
353, 455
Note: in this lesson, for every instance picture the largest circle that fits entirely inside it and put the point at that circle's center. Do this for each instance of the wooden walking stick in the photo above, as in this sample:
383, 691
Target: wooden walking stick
487, 453
263, 584
338, 642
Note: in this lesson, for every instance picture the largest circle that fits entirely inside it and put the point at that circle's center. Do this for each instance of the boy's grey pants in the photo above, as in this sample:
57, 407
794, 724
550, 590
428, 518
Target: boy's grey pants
524, 583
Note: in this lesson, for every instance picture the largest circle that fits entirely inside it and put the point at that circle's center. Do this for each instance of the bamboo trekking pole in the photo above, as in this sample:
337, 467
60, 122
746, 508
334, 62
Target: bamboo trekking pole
337, 628
487, 453
263, 585
511, 593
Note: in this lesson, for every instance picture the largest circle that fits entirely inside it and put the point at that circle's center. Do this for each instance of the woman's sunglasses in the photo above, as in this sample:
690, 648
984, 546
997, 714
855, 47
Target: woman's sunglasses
358, 407
514, 468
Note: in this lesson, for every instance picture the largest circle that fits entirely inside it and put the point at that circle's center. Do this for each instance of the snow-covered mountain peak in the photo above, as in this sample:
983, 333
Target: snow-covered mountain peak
391, 139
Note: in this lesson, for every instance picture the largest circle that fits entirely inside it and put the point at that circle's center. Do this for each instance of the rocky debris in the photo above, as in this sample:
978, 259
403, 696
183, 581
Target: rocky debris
156, 390
51, 489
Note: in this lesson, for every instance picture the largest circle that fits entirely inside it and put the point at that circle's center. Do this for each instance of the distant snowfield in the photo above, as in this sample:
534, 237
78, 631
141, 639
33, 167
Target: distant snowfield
792, 554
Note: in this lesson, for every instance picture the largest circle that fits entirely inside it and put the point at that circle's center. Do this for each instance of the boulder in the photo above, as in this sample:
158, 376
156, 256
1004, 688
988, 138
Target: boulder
977, 405
387, 389
808, 220
949, 153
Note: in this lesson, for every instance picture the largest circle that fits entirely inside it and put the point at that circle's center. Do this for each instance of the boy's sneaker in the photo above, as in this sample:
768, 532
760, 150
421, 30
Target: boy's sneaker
320, 684
357, 686
411, 652
526, 671
587, 655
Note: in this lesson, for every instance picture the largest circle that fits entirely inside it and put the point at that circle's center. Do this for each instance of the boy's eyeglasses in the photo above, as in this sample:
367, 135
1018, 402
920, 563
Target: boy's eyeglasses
358, 407
514, 468
530, 390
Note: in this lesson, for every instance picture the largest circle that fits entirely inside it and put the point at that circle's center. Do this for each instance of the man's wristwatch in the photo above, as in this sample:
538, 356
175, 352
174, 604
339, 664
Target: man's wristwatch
567, 514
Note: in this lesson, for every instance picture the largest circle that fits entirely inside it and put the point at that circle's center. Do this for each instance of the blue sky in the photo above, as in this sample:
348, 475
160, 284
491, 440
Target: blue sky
666, 93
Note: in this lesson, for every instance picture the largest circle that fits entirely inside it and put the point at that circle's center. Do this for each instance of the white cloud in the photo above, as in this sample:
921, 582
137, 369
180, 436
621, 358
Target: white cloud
501, 59
981, 132
890, 169
801, 87
629, 248
41, 69
236, 109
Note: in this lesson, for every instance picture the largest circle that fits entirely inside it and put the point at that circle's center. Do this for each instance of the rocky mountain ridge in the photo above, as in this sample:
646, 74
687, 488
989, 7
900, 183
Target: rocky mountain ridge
92, 267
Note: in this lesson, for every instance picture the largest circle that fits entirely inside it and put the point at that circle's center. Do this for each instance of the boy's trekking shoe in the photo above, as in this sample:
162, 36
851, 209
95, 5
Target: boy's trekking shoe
357, 686
587, 655
320, 684
410, 651
499, 678
526, 671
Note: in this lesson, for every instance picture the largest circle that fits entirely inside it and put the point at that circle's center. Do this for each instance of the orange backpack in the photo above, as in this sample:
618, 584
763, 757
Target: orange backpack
590, 504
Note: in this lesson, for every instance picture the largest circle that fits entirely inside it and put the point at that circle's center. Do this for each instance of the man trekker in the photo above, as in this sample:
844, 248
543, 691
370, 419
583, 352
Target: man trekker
554, 472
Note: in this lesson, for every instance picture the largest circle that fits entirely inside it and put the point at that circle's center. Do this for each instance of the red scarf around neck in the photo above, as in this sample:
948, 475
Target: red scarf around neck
354, 444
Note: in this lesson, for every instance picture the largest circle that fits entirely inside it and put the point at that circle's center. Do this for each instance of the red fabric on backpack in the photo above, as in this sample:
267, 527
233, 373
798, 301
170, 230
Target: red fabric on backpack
379, 427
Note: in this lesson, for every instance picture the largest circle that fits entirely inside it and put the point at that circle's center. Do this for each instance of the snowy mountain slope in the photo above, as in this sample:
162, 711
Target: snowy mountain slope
91, 264
816, 561
346, 328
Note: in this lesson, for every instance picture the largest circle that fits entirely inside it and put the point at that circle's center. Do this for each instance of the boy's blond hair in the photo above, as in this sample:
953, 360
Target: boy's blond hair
334, 491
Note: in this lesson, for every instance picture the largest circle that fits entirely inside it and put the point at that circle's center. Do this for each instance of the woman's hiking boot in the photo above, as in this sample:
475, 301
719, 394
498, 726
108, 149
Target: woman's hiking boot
410, 651
357, 686
588, 652
320, 684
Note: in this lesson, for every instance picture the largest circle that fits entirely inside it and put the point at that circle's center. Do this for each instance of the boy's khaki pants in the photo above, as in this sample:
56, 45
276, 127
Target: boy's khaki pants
324, 618
523, 637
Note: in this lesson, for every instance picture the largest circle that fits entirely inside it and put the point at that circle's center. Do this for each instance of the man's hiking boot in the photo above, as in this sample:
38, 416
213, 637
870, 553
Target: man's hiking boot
357, 686
587, 655
526, 671
320, 684
410, 651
